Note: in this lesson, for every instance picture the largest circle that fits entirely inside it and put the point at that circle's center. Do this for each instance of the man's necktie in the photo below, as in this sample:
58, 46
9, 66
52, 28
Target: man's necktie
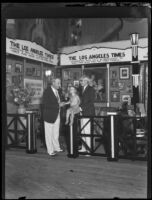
57, 95
83, 89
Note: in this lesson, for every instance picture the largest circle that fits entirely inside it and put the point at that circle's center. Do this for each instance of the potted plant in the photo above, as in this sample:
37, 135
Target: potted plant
22, 97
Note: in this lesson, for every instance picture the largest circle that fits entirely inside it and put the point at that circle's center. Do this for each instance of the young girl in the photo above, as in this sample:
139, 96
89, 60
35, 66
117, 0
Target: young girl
74, 105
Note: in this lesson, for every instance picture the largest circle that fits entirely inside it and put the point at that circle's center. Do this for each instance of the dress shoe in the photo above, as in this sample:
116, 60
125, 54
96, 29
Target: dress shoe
52, 154
87, 155
81, 150
60, 150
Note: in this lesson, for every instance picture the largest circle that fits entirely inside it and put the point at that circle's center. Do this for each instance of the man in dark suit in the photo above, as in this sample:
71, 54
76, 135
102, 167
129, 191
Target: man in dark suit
87, 106
51, 115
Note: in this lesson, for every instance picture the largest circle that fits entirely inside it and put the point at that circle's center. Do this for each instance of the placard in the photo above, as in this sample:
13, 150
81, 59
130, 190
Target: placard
30, 50
96, 55
37, 86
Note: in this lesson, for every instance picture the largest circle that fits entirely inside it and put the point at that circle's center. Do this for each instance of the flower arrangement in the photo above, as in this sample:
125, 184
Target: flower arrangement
22, 96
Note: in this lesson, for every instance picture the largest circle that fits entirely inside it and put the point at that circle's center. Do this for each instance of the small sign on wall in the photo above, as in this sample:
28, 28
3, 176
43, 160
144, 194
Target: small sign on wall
115, 96
37, 86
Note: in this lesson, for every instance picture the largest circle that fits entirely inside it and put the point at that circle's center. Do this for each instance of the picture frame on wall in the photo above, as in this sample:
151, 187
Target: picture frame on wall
114, 74
38, 73
18, 68
126, 98
66, 75
124, 73
76, 75
115, 96
76, 83
121, 85
129, 88
29, 72
9, 68
114, 83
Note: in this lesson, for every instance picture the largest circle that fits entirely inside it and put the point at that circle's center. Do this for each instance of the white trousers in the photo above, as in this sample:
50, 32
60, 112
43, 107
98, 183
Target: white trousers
86, 130
52, 135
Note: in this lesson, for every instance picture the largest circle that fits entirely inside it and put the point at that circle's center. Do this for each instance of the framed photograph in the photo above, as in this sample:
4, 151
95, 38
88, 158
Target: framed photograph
115, 96
129, 88
114, 74
9, 68
76, 83
18, 68
16, 80
121, 85
66, 75
29, 71
114, 83
58, 72
38, 72
124, 72
126, 98
76, 75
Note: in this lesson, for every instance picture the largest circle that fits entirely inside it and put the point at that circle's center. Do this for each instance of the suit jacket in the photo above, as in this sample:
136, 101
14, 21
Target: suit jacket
87, 101
50, 106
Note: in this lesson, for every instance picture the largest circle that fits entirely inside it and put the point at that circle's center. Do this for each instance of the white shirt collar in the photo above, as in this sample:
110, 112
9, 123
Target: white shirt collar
85, 87
54, 90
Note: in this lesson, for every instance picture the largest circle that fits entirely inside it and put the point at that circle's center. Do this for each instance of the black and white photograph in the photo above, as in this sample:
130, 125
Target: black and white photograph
76, 100
18, 68
126, 98
115, 96
114, 74
8, 68
124, 73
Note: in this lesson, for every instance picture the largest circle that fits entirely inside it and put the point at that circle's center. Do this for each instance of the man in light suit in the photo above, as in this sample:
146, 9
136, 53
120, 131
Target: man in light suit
51, 116
87, 106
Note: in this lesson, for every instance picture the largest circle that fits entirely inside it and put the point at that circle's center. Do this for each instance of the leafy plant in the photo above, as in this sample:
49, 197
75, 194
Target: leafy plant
22, 96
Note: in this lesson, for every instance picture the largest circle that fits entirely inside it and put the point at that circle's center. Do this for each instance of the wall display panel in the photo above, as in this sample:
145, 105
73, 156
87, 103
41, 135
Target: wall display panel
99, 81
33, 69
122, 83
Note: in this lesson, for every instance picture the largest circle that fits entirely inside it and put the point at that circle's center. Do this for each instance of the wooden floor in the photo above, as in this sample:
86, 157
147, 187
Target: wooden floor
37, 176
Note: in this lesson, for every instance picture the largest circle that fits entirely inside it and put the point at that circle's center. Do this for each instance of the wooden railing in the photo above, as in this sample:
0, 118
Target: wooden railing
16, 130
118, 140
21, 131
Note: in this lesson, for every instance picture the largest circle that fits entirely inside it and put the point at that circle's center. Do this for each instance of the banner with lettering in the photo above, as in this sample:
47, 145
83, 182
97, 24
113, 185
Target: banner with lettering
142, 53
96, 55
30, 50
37, 86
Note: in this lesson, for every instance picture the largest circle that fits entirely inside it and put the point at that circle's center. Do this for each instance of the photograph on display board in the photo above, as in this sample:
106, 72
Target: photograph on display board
16, 80
129, 88
38, 73
76, 83
9, 68
121, 85
76, 75
18, 68
66, 75
115, 96
33, 72
124, 72
114, 74
126, 98
58, 72
114, 83
29, 72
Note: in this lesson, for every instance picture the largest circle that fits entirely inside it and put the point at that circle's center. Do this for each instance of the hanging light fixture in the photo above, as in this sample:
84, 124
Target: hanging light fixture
134, 37
48, 73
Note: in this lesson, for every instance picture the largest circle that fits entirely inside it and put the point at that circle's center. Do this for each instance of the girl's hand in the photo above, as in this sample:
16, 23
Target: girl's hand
61, 104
